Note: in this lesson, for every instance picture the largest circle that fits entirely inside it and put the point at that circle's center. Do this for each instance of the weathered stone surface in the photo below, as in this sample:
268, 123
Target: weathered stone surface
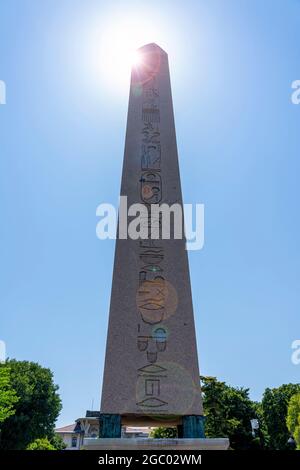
151, 366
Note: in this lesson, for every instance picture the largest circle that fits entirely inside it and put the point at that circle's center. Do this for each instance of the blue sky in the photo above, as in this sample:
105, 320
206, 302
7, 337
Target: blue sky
61, 148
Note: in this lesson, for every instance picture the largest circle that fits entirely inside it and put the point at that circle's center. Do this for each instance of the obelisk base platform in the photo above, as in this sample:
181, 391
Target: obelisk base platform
188, 427
156, 444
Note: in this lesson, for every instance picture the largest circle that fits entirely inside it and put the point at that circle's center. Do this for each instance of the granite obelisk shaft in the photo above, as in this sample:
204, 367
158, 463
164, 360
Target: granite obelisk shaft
151, 366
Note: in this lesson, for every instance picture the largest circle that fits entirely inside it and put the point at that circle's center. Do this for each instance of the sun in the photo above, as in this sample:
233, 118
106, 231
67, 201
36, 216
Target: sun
111, 44
118, 49
135, 58
101, 46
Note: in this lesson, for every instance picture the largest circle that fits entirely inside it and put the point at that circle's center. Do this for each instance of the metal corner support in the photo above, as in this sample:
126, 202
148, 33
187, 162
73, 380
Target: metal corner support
109, 426
193, 427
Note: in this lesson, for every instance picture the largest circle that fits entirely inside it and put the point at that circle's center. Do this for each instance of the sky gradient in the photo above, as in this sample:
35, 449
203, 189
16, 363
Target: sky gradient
62, 137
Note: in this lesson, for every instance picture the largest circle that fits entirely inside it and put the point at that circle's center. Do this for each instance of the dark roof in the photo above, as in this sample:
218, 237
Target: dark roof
92, 414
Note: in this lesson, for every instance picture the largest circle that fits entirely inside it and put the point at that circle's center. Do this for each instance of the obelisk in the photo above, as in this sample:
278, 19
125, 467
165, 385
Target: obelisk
151, 373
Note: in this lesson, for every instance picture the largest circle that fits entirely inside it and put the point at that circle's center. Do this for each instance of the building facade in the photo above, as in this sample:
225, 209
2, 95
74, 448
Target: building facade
88, 427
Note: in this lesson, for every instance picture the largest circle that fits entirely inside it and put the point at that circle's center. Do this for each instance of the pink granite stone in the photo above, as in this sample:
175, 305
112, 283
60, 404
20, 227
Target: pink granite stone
151, 368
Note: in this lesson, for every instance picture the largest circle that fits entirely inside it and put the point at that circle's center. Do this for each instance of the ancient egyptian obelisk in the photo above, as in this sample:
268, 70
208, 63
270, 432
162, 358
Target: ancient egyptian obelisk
151, 373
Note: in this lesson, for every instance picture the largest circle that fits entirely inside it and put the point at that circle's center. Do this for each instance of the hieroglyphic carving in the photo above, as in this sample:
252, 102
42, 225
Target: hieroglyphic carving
150, 134
151, 156
152, 370
151, 257
152, 387
150, 107
151, 295
151, 186
152, 403
151, 300
153, 344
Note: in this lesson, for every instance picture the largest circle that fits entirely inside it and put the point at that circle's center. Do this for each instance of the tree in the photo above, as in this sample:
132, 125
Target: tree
262, 433
40, 444
228, 412
293, 418
37, 409
163, 433
275, 407
57, 442
8, 396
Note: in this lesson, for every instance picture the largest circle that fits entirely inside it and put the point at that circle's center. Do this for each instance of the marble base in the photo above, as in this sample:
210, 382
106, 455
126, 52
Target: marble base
155, 444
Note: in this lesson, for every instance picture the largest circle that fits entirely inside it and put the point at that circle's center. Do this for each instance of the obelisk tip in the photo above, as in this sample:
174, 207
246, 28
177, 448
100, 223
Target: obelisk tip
151, 47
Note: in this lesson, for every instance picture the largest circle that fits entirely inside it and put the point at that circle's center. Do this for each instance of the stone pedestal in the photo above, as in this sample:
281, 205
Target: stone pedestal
190, 427
156, 444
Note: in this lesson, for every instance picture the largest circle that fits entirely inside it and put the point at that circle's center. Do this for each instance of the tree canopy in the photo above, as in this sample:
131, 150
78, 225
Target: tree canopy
8, 396
37, 408
163, 433
293, 418
275, 409
41, 444
228, 412
30, 405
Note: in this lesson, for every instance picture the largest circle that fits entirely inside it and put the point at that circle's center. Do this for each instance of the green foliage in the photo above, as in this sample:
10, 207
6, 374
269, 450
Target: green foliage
293, 418
275, 407
8, 396
262, 432
40, 444
163, 433
37, 409
228, 412
57, 442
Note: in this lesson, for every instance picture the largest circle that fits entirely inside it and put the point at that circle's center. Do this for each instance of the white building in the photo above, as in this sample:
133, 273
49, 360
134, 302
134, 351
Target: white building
73, 434
69, 436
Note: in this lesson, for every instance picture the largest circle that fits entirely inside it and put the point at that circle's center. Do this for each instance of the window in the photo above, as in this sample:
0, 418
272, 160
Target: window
74, 441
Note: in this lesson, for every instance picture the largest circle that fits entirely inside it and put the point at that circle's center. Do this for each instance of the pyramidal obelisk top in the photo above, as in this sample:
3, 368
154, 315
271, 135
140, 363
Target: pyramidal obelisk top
151, 373
152, 47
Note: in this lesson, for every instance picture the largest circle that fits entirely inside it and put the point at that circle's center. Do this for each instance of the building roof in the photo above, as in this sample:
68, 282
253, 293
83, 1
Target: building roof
65, 429
129, 429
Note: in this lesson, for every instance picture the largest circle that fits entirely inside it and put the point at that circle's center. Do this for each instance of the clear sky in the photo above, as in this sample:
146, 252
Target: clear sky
61, 149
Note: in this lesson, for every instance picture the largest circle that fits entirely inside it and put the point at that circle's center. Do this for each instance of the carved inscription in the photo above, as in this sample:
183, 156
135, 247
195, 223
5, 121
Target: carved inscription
152, 292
